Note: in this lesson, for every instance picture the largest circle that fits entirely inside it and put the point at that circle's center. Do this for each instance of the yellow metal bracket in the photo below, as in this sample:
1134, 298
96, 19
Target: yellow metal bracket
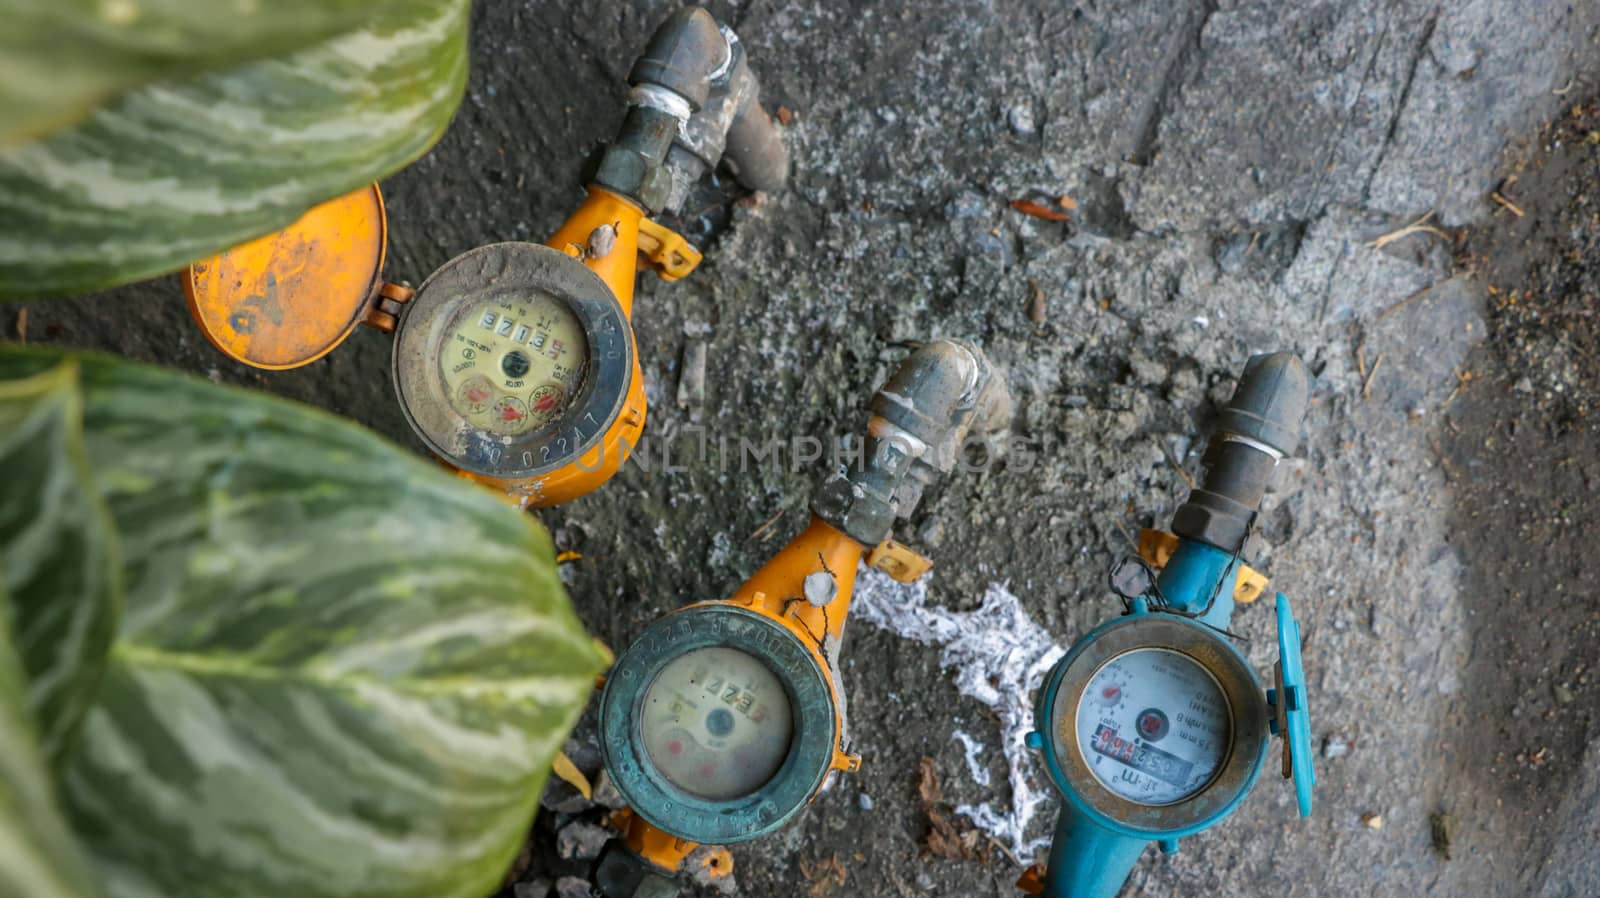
660, 848
846, 762
1156, 546
898, 561
666, 251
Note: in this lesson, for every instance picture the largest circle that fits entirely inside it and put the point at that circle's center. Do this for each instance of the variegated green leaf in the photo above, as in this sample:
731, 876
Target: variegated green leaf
39, 858
61, 58
176, 171
340, 671
58, 552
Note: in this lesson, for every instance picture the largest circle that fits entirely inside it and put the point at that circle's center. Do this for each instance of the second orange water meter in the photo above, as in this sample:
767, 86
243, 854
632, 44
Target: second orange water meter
725, 718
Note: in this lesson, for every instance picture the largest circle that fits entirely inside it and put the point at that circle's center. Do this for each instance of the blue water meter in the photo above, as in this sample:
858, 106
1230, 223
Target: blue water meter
1154, 726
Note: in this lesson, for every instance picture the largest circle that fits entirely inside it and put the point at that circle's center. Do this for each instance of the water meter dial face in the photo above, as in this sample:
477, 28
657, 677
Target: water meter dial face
514, 361
1153, 726
512, 365
716, 723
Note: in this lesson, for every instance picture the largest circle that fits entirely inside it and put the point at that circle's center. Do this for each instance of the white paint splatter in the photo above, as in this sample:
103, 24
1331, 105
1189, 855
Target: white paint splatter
999, 656
972, 748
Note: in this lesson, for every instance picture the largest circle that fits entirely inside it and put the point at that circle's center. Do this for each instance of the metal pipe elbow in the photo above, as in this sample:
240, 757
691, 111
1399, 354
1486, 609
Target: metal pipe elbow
755, 151
938, 394
921, 421
1269, 402
730, 126
685, 53
671, 81
1258, 427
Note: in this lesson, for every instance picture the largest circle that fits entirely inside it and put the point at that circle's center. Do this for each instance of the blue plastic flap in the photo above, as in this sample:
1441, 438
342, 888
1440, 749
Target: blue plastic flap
1297, 711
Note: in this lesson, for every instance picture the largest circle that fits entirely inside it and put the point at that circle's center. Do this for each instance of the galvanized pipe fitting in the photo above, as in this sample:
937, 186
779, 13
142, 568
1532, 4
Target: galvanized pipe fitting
1258, 426
694, 102
671, 81
920, 423
731, 126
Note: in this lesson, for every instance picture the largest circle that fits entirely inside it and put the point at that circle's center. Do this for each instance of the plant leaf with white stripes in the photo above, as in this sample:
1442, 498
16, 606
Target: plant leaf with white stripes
39, 858
61, 58
176, 171
58, 552
340, 671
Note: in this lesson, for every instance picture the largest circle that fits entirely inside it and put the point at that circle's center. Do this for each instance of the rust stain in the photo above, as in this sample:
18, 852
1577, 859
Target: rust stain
288, 298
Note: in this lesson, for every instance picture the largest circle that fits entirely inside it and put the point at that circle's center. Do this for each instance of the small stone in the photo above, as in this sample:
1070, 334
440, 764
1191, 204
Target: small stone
692, 377
1562, 694
931, 533
1336, 746
1444, 833
654, 886
561, 798
1232, 254
1523, 385
537, 888
573, 887
581, 841
1131, 578
1020, 118
606, 793
865, 801
966, 204
1036, 304
1372, 821
1146, 370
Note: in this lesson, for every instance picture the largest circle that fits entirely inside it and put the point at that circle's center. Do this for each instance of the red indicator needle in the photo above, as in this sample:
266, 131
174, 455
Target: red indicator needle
545, 404
510, 414
477, 394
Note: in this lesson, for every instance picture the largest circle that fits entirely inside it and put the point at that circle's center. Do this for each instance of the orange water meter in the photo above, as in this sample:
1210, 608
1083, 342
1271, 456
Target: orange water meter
725, 718
514, 363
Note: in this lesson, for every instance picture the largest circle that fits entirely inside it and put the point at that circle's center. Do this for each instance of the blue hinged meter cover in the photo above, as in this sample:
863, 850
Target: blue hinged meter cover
1296, 712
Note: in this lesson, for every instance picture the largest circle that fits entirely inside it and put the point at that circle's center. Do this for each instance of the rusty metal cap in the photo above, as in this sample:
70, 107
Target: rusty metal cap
288, 298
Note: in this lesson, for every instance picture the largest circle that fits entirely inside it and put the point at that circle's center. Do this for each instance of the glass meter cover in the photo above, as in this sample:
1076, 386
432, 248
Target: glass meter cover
513, 360
718, 725
1153, 726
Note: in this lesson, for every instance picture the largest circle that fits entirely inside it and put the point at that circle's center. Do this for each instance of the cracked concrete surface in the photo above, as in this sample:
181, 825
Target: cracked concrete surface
1230, 162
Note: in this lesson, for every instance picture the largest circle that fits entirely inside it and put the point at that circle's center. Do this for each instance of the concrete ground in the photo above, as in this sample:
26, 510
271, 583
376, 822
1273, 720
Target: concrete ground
1232, 166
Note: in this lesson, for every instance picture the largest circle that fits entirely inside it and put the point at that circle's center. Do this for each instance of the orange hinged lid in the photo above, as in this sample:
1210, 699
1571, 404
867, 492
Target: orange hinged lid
287, 299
